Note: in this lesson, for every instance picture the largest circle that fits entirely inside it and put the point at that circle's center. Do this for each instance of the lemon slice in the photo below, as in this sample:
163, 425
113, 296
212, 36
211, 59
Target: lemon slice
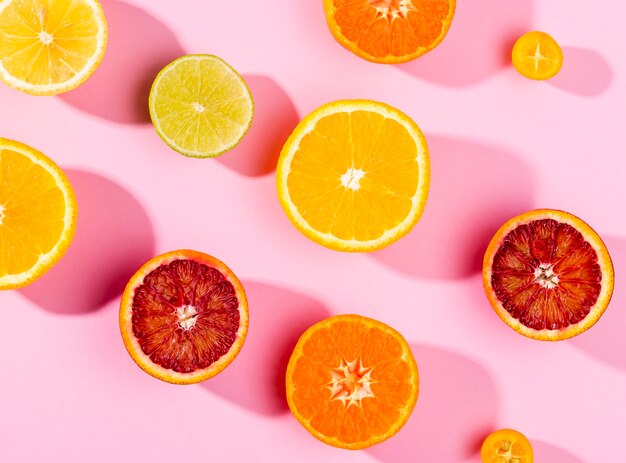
49, 47
200, 106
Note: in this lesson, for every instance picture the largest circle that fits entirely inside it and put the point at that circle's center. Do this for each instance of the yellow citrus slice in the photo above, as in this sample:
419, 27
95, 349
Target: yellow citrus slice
352, 381
49, 47
506, 446
354, 175
200, 106
184, 317
536, 55
548, 275
37, 214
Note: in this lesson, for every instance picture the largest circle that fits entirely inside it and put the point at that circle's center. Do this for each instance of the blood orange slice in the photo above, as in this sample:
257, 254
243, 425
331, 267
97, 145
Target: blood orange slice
548, 275
184, 317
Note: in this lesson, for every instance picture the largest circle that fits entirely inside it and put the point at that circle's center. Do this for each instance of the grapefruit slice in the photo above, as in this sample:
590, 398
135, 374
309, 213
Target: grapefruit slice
184, 317
506, 446
37, 214
548, 275
352, 382
389, 31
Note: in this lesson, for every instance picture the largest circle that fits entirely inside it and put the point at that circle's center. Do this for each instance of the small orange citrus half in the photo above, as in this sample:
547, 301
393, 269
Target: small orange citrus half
352, 382
506, 446
389, 31
548, 275
184, 317
537, 55
37, 214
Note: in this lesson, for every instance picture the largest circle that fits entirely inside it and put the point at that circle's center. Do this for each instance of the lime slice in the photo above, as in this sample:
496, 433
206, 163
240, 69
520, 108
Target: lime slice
200, 106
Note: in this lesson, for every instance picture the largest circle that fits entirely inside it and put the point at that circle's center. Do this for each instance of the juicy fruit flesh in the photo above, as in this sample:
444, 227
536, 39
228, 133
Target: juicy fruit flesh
47, 41
537, 55
32, 212
546, 275
352, 382
355, 175
391, 27
507, 451
185, 315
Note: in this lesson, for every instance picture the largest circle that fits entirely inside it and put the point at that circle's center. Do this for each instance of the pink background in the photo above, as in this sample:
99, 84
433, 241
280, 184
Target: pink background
500, 145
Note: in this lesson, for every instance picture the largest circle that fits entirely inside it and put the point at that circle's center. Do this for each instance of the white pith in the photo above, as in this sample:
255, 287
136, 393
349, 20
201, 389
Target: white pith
351, 180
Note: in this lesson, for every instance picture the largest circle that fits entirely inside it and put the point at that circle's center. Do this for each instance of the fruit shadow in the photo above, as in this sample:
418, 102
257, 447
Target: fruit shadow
456, 408
605, 340
275, 116
114, 237
584, 72
475, 188
256, 379
549, 453
139, 45
478, 44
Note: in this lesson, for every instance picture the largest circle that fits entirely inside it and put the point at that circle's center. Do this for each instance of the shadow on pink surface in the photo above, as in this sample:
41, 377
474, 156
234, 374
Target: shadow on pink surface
478, 188
456, 408
139, 46
278, 317
549, 453
585, 72
605, 340
114, 237
478, 44
275, 117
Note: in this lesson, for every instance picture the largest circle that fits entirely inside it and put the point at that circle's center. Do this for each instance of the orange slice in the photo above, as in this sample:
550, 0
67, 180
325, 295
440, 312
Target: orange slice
37, 214
537, 56
354, 175
184, 317
389, 31
352, 382
548, 275
49, 47
506, 446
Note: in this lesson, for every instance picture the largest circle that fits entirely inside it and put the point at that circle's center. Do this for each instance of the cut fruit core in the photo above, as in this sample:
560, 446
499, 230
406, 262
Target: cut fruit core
546, 275
185, 315
507, 451
392, 9
350, 383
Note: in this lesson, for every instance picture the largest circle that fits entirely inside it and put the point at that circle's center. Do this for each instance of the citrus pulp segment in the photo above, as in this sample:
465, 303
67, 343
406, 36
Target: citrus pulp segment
352, 382
537, 55
200, 106
389, 31
548, 275
37, 214
354, 175
49, 47
184, 317
506, 446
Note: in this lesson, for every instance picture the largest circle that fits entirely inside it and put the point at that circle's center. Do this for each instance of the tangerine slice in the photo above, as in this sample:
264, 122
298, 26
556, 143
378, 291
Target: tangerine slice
389, 31
184, 317
352, 382
548, 275
506, 446
537, 55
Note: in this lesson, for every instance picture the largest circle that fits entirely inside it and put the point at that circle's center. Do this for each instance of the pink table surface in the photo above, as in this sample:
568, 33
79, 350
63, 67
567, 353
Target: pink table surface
500, 145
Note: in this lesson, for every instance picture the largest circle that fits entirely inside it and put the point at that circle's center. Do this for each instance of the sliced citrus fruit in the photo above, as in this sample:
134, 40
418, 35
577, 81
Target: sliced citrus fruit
536, 55
49, 47
548, 275
352, 382
354, 175
200, 106
37, 214
389, 31
184, 317
506, 446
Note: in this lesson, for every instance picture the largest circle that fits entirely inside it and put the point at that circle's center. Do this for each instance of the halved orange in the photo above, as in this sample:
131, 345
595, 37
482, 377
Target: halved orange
506, 446
354, 175
548, 275
49, 47
389, 31
184, 317
537, 55
37, 214
352, 382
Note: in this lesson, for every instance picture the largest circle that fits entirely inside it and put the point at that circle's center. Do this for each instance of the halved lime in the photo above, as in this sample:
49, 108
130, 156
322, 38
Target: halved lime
200, 106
